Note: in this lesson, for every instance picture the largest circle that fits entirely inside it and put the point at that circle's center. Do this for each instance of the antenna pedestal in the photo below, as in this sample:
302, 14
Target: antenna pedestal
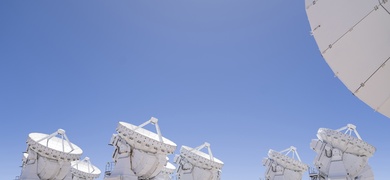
29, 172
45, 168
122, 170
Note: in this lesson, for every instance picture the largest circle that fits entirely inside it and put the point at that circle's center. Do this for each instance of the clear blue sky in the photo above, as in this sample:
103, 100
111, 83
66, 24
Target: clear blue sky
243, 75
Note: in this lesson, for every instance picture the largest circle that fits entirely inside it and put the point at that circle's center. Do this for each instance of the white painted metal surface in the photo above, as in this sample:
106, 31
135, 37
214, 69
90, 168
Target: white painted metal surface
143, 139
166, 172
169, 168
353, 37
342, 156
345, 141
279, 166
84, 170
139, 153
49, 157
54, 147
193, 164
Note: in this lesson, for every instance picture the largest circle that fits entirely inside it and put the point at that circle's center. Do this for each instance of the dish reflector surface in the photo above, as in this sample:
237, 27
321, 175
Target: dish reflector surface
84, 168
143, 139
200, 158
54, 147
353, 38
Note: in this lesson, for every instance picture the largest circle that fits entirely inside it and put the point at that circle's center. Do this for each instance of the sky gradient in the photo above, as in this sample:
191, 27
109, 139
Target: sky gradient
245, 76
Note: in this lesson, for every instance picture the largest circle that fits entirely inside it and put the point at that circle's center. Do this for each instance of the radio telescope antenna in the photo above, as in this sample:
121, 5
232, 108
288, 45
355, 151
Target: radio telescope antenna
340, 155
195, 164
353, 40
84, 170
280, 166
139, 153
49, 156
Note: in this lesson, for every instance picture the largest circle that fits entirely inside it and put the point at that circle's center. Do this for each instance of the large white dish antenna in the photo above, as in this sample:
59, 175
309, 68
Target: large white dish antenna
201, 159
286, 161
353, 38
143, 139
49, 157
340, 155
84, 169
53, 147
345, 142
139, 153
193, 164
280, 166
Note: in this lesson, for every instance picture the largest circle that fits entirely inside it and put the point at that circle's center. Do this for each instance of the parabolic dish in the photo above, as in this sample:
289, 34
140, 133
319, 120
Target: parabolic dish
200, 159
85, 169
144, 139
53, 148
286, 161
353, 38
345, 142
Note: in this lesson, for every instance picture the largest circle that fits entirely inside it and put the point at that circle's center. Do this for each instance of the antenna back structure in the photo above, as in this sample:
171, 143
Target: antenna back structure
193, 164
279, 166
